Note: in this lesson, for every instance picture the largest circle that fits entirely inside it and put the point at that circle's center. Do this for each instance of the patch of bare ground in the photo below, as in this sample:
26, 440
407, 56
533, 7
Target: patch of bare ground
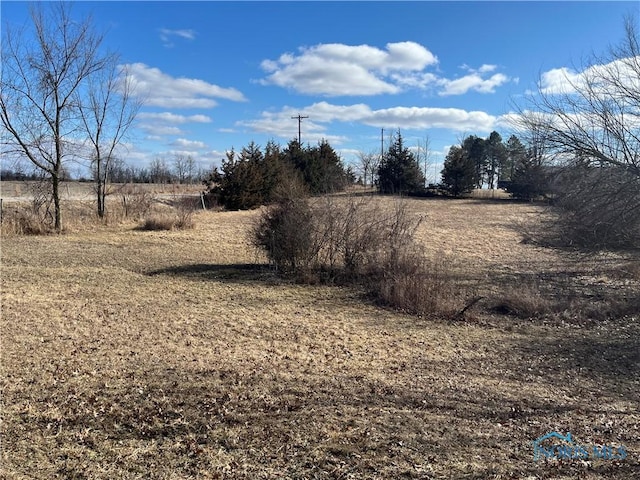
180, 355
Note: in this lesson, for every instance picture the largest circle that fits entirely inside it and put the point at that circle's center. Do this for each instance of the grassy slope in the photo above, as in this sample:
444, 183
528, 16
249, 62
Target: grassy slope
130, 354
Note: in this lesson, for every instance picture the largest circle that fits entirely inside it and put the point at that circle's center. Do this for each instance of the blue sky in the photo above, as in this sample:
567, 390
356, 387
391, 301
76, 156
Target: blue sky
217, 75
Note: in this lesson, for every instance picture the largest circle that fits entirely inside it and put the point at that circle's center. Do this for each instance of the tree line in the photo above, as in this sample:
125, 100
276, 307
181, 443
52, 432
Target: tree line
513, 166
181, 169
254, 177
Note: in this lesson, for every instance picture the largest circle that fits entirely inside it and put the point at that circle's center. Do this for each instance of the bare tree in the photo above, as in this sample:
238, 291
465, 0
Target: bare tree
107, 110
159, 172
41, 77
184, 168
423, 155
590, 123
367, 165
190, 169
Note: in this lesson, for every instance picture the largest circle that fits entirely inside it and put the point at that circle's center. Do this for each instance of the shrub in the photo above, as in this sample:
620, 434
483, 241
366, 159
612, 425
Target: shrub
158, 222
417, 284
598, 208
284, 232
361, 242
24, 222
136, 202
181, 221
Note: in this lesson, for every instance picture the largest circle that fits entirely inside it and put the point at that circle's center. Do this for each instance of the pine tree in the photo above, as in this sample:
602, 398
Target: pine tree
320, 166
496, 153
399, 171
530, 178
516, 151
475, 152
458, 174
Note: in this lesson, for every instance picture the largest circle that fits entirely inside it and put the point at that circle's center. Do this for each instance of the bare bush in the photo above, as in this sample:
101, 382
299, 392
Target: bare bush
359, 241
42, 203
417, 284
598, 207
524, 302
35, 219
23, 222
589, 126
285, 232
158, 222
182, 219
136, 202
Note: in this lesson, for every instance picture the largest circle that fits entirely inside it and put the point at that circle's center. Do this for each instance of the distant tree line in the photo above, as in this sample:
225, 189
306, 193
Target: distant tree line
179, 170
514, 166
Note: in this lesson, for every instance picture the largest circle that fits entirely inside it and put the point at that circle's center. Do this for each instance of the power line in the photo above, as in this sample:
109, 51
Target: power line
299, 117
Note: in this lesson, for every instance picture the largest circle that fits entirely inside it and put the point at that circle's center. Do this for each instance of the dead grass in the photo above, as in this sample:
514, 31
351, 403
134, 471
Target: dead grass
171, 355
168, 221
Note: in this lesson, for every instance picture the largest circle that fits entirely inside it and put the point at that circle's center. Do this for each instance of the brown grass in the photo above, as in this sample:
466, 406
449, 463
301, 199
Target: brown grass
151, 206
168, 221
171, 355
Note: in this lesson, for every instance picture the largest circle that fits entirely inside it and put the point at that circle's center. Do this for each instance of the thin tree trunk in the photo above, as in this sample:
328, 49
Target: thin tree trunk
55, 190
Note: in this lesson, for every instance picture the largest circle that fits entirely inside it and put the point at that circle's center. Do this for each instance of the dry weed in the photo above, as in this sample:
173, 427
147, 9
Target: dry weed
168, 221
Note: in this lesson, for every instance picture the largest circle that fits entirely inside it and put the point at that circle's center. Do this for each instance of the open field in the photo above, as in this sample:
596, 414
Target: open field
21, 191
179, 355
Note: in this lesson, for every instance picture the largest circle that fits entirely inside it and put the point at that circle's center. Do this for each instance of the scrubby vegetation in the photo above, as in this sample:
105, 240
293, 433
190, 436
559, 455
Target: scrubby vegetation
361, 241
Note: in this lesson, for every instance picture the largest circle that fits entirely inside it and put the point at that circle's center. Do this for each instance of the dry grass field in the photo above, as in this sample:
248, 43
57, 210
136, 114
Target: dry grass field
12, 191
131, 354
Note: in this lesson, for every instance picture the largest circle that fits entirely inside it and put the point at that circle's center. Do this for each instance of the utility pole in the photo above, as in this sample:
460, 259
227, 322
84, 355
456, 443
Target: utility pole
381, 144
427, 147
299, 117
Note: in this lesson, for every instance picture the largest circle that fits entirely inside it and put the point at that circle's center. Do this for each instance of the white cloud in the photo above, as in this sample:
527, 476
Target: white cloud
167, 34
321, 113
428, 117
420, 80
168, 117
157, 130
157, 124
487, 68
192, 144
162, 90
559, 80
597, 78
337, 69
185, 33
473, 81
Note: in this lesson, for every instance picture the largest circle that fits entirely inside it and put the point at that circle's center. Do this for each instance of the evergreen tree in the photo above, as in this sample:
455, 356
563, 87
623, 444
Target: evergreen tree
320, 167
530, 177
496, 154
399, 171
458, 174
475, 152
240, 184
516, 151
